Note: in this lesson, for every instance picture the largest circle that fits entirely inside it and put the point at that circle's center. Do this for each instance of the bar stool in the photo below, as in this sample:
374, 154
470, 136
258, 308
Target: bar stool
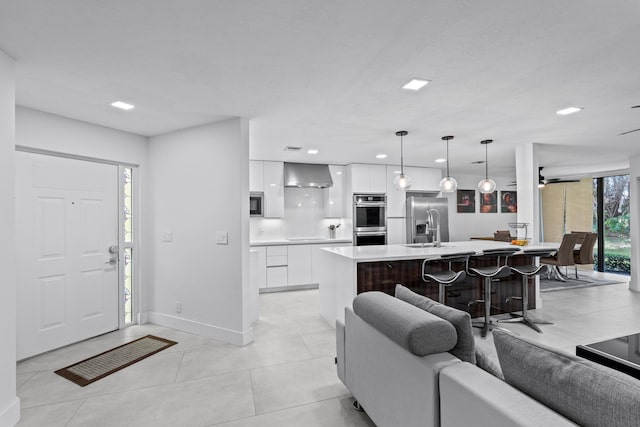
527, 271
498, 271
448, 277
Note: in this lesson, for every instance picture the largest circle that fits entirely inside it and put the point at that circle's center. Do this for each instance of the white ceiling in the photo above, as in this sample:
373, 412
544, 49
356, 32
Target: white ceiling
327, 74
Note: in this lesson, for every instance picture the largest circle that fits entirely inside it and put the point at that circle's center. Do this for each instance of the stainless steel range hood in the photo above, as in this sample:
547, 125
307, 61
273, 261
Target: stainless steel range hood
307, 175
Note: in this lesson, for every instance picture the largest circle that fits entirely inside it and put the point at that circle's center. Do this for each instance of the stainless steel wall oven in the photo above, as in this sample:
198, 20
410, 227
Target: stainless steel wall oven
369, 219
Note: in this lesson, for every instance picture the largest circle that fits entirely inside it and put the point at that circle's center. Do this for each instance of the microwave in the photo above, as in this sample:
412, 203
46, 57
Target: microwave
256, 204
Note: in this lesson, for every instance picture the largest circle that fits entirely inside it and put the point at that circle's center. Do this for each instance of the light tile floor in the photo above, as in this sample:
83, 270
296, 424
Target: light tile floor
286, 377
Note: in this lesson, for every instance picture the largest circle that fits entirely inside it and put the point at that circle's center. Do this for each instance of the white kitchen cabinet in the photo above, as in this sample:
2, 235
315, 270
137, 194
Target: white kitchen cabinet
396, 206
273, 182
256, 178
299, 265
378, 178
366, 178
260, 267
424, 179
359, 174
396, 231
277, 276
334, 196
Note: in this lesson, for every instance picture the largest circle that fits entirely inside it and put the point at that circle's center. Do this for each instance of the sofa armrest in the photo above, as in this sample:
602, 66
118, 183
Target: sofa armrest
395, 387
471, 396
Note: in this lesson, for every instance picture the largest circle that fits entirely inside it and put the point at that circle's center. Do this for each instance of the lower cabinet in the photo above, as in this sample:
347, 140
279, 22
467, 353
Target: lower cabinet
277, 276
299, 265
287, 265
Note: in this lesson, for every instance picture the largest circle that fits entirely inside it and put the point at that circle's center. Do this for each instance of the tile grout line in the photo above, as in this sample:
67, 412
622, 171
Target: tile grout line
75, 413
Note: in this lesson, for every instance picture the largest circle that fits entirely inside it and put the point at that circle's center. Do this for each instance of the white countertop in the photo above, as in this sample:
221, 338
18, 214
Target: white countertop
399, 252
298, 241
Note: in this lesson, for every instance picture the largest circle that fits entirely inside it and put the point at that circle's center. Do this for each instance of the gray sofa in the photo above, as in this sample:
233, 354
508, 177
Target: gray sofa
407, 366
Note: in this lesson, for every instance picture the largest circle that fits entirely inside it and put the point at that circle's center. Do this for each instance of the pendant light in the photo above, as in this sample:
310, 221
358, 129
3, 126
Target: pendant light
402, 181
487, 185
448, 184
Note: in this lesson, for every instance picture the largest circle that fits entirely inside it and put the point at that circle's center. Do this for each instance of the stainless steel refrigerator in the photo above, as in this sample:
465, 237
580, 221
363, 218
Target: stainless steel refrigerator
421, 227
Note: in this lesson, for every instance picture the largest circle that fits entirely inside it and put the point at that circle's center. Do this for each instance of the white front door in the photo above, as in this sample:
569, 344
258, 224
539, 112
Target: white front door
66, 221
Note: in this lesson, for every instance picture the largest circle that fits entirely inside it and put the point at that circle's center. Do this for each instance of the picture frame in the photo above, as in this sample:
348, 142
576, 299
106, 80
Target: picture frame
489, 202
466, 201
509, 201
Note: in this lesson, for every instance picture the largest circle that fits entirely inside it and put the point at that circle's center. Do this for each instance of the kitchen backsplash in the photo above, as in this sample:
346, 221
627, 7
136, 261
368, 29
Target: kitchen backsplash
303, 217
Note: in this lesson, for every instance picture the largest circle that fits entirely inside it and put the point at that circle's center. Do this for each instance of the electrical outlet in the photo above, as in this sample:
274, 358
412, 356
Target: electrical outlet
178, 306
222, 238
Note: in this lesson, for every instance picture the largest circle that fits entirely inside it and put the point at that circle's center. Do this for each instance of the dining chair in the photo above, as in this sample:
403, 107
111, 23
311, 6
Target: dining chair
563, 256
502, 236
584, 255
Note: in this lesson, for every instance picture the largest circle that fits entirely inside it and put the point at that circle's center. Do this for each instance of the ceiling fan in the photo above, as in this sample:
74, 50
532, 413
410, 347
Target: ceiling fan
542, 181
633, 130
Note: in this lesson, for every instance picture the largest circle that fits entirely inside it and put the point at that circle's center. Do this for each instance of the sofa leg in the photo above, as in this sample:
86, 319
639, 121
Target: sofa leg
357, 406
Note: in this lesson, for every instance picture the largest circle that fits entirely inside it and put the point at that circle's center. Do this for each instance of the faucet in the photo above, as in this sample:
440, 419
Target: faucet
434, 219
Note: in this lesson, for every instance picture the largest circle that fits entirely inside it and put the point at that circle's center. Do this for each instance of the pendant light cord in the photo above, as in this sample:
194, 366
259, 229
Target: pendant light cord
448, 159
401, 157
486, 161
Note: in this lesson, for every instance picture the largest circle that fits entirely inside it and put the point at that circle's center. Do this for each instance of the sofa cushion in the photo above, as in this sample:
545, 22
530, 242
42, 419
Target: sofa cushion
461, 320
418, 332
485, 362
583, 391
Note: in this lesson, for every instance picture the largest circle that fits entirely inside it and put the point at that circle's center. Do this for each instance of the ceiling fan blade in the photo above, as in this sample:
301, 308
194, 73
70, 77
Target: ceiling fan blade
629, 131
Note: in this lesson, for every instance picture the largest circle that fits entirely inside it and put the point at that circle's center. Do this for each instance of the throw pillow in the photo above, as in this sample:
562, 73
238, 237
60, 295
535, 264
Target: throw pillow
461, 320
583, 391
418, 332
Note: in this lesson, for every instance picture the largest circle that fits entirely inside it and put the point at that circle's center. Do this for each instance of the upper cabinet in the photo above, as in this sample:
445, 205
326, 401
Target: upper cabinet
395, 198
366, 178
273, 187
333, 196
423, 179
256, 175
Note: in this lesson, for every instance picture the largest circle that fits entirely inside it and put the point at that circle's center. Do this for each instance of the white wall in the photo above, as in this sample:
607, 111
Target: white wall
9, 403
49, 132
200, 184
634, 194
462, 226
37, 130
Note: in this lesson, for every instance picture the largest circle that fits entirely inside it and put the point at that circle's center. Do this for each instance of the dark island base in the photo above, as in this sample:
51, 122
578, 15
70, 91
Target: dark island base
384, 275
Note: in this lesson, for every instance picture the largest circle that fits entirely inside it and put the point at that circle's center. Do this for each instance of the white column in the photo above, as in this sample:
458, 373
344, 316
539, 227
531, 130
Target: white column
9, 402
528, 191
529, 197
634, 193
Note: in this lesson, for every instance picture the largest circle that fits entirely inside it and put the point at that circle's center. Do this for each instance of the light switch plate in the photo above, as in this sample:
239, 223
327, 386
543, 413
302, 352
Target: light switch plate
166, 236
222, 238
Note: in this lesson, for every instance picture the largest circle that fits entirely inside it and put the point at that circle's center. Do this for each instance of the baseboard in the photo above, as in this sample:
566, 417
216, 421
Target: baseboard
202, 329
288, 288
10, 416
143, 318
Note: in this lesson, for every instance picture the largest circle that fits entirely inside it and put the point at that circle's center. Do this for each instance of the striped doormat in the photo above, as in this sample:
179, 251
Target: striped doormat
103, 364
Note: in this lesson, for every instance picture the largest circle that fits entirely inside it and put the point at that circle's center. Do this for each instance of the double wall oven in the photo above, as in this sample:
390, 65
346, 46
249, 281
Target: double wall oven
369, 219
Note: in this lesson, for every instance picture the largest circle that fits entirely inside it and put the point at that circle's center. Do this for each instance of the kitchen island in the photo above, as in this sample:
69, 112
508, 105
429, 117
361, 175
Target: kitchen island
344, 272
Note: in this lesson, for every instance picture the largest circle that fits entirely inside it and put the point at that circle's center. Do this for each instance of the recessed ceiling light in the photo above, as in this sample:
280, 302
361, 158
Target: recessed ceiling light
381, 156
416, 84
312, 151
440, 160
122, 105
569, 110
